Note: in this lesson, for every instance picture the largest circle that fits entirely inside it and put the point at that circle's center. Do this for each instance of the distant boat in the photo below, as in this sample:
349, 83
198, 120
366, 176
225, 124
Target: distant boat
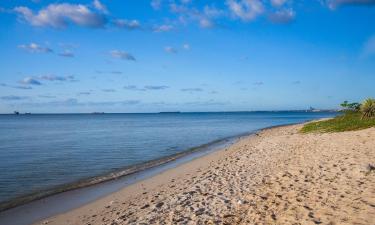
97, 113
28, 113
16, 113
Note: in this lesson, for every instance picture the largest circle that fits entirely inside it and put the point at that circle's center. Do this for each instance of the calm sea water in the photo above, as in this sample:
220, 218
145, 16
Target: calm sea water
39, 152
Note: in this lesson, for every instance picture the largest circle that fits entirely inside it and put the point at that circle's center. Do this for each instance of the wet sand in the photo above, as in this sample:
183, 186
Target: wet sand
278, 176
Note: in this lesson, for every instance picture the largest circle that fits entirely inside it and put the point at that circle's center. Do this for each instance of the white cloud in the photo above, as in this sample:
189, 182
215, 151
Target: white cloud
35, 48
278, 3
176, 8
13, 98
192, 89
205, 23
122, 55
133, 88
333, 4
73, 102
170, 49
60, 15
205, 16
16, 86
99, 6
36, 80
56, 78
156, 4
145, 88
163, 28
66, 53
282, 16
30, 81
127, 24
246, 10
23, 87
155, 87
212, 12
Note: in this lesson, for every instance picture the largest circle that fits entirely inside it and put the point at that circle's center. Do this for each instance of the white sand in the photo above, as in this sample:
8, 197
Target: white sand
277, 177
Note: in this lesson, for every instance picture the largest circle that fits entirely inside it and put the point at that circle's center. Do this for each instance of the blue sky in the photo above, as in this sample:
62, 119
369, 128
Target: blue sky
186, 55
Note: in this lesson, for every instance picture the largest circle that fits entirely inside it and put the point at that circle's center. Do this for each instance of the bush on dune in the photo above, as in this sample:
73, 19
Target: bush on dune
368, 108
354, 117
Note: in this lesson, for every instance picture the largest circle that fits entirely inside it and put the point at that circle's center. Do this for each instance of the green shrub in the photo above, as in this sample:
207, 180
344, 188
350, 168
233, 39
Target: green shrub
347, 121
368, 108
355, 117
354, 106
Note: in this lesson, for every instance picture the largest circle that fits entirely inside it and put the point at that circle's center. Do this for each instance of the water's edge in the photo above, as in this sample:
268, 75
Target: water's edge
118, 173
45, 204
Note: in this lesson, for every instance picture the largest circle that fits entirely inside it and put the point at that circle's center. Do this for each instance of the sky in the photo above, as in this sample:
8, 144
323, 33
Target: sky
184, 55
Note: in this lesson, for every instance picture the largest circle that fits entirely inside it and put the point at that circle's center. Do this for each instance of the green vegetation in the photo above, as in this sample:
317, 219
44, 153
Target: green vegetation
354, 106
368, 108
348, 121
355, 116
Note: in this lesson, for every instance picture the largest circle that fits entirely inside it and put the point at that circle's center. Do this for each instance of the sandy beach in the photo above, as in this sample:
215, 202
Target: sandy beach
277, 176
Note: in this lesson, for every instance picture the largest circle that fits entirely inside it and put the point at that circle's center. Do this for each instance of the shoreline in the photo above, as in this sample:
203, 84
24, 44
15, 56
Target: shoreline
149, 166
39, 209
123, 172
121, 179
278, 176
113, 175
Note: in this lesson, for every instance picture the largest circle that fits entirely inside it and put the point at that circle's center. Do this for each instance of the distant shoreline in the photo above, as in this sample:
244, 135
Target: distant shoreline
176, 112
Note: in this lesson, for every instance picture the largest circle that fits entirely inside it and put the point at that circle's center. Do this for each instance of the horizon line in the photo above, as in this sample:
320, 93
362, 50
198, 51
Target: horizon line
175, 112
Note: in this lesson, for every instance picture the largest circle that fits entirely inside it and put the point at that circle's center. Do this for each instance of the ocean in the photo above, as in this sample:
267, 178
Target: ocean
41, 152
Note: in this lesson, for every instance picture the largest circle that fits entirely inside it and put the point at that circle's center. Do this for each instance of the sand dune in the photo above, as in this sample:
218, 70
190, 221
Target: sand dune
278, 176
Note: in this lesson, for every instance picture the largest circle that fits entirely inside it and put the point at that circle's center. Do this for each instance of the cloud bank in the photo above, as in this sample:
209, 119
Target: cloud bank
35, 48
122, 55
60, 15
333, 4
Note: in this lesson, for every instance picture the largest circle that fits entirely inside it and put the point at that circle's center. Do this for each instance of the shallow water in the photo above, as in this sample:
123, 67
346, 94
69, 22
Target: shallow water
39, 152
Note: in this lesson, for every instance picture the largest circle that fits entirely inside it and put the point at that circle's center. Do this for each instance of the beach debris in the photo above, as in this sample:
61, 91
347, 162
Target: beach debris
229, 215
200, 211
370, 168
160, 204
317, 221
145, 206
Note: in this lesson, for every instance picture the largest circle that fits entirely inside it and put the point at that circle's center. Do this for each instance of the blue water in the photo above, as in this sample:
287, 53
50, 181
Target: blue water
39, 152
